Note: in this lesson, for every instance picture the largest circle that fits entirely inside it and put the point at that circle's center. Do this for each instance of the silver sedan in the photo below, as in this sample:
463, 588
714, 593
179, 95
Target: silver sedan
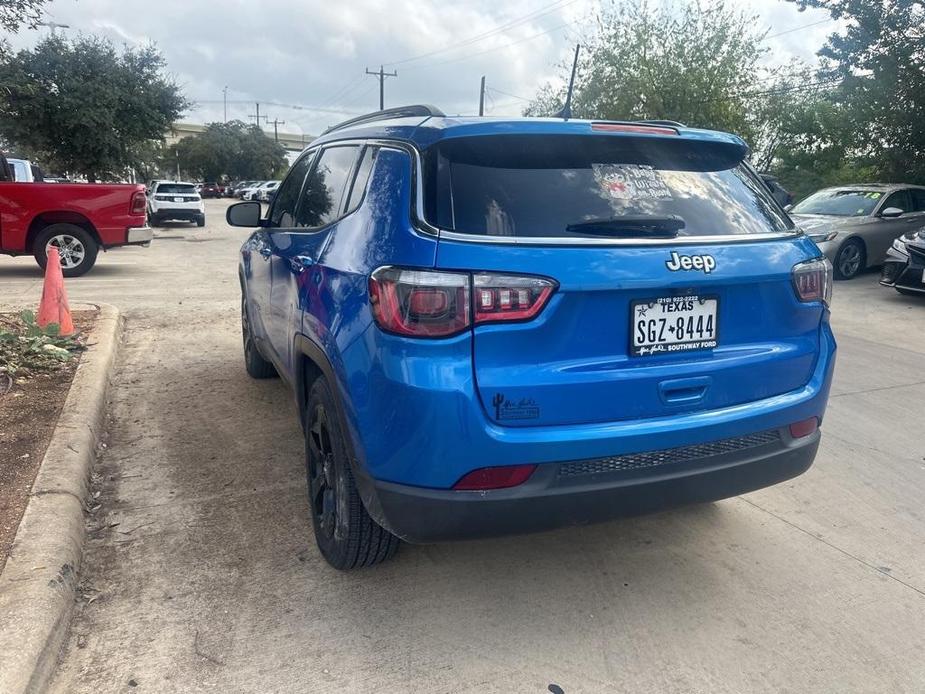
855, 225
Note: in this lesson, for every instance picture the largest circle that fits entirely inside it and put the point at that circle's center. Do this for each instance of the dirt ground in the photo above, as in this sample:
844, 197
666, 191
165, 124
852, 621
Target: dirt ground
28, 414
201, 573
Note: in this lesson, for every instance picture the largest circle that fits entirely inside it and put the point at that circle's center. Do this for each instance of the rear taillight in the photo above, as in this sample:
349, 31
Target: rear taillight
138, 203
812, 280
509, 297
420, 302
427, 303
495, 477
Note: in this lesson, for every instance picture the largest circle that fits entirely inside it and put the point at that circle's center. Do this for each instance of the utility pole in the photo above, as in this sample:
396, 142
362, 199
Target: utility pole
566, 111
482, 97
53, 26
225, 101
276, 123
258, 116
382, 74
178, 164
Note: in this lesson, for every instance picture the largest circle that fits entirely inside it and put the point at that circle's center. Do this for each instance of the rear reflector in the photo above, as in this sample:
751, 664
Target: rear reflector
427, 303
495, 477
629, 128
804, 428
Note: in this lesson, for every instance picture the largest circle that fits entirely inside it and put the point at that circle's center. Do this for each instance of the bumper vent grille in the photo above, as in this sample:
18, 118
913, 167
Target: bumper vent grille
682, 454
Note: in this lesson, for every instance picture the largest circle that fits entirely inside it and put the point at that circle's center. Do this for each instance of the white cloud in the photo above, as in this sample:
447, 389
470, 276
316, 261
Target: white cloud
314, 52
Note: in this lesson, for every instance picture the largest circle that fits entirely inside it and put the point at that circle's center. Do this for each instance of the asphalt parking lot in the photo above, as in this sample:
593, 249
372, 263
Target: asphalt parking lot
201, 572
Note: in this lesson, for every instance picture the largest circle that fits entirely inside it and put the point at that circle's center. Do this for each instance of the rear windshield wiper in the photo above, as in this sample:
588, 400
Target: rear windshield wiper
630, 226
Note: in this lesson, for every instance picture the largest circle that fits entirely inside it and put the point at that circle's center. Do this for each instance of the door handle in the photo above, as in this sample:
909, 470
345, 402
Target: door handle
301, 262
265, 252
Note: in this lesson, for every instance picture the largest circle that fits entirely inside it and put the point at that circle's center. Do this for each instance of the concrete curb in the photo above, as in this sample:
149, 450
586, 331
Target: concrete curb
39, 581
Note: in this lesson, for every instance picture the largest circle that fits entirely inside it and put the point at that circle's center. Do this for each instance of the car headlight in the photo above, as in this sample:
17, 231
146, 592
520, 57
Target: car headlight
899, 245
824, 236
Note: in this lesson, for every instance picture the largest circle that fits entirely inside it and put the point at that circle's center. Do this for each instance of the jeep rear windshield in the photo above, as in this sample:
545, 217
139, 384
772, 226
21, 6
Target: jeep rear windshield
562, 186
174, 188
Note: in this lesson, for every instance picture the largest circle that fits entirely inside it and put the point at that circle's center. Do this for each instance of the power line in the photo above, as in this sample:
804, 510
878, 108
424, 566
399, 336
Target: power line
536, 14
513, 96
489, 50
799, 28
297, 107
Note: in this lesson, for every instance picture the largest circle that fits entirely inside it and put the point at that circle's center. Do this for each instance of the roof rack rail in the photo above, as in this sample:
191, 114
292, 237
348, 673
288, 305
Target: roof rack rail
416, 110
670, 123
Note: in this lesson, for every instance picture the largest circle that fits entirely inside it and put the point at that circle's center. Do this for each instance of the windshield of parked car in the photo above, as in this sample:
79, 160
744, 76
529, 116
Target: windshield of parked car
184, 188
587, 186
841, 202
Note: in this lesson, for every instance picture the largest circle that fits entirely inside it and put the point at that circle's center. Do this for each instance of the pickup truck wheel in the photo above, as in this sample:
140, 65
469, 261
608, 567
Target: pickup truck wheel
346, 535
76, 248
201, 220
254, 363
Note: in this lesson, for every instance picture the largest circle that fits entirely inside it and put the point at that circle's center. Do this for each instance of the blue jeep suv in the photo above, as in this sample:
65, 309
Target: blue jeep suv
497, 326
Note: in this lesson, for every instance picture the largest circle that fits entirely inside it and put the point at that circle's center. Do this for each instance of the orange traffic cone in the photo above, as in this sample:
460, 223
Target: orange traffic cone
54, 308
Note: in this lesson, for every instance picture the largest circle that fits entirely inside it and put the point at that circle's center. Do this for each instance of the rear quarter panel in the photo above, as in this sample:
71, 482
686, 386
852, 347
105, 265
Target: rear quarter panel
105, 206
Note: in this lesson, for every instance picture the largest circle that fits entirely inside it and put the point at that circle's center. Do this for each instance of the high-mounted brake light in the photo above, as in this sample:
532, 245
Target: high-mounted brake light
501, 477
630, 128
427, 303
812, 280
138, 203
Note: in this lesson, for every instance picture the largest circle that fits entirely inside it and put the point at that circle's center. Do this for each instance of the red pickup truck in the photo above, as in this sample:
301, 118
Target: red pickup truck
78, 218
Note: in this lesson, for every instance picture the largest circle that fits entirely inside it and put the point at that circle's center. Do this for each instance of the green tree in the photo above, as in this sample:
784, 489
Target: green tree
16, 13
232, 150
82, 107
877, 68
694, 63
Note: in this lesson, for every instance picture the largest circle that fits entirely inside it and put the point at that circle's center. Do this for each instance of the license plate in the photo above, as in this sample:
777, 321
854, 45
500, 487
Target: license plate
179, 199
673, 324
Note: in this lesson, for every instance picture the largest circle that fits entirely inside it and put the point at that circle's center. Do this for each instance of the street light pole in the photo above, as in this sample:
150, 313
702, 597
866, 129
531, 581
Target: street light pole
225, 101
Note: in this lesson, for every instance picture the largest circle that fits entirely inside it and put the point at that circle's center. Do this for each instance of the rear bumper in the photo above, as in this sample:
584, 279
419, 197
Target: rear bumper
139, 236
557, 496
188, 214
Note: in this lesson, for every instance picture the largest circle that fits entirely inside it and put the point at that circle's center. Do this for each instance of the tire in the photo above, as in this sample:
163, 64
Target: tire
154, 220
850, 260
255, 365
201, 221
77, 248
346, 535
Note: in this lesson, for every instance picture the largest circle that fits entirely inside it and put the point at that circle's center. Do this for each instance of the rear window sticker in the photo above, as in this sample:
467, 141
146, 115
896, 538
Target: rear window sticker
630, 181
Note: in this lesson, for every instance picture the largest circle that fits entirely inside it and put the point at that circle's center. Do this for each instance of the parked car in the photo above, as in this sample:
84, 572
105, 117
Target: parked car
79, 219
502, 326
175, 200
248, 192
855, 225
264, 191
904, 267
781, 194
210, 190
231, 189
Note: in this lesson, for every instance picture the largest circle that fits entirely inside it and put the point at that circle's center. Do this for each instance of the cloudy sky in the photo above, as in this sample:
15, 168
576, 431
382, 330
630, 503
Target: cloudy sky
305, 60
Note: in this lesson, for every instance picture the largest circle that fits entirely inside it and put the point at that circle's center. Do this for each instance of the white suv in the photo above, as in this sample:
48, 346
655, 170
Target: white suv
175, 200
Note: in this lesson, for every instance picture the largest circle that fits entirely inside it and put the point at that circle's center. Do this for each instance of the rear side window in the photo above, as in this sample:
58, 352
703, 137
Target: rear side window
361, 179
176, 188
918, 199
325, 186
900, 199
559, 186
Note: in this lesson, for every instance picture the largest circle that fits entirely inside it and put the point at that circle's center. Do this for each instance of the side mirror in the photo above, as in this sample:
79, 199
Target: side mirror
890, 212
243, 214
788, 207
